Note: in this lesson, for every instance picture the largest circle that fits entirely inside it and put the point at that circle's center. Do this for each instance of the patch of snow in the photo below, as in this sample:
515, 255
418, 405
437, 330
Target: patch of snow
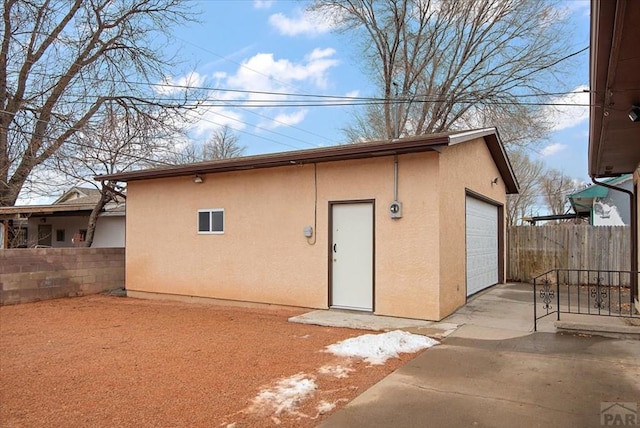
324, 407
376, 349
338, 371
285, 395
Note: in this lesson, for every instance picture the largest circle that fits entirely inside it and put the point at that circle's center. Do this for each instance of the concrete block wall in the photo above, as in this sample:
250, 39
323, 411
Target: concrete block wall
32, 274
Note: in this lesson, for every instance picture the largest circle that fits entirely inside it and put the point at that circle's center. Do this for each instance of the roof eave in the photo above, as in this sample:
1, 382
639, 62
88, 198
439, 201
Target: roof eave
330, 154
496, 148
613, 79
43, 210
336, 153
598, 55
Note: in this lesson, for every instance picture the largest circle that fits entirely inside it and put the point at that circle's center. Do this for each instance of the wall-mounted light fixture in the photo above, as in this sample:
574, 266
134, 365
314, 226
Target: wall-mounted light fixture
198, 179
634, 114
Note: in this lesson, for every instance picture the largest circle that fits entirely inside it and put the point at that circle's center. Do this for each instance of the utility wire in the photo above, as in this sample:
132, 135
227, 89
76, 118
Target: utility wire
262, 137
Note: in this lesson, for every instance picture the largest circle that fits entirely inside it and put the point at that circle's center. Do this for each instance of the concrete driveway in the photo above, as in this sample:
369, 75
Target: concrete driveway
493, 371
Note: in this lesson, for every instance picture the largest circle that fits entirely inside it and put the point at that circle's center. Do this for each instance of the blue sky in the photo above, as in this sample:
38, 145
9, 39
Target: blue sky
244, 46
275, 46
271, 47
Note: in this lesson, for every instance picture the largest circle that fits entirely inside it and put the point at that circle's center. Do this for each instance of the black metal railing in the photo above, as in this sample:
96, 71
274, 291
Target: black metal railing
587, 292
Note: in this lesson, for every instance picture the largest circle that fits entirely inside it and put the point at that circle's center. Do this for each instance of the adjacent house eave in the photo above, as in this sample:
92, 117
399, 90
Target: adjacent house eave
614, 70
41, 210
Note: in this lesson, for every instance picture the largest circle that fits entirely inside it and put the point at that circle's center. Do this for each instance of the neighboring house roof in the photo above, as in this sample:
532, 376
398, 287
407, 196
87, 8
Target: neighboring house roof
77, 195
40, 210
582, 201
114, 209
75, 201
615, 87
535, 219
423, 143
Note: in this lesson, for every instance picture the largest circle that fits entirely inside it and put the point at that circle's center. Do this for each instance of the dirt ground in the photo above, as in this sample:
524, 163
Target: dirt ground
114, 361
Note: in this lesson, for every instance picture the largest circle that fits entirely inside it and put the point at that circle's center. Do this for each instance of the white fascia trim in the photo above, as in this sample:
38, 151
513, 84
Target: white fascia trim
463, 137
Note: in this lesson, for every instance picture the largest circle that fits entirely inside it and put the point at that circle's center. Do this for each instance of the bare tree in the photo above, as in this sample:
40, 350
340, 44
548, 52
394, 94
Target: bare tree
528, 173
61, 62
119, 140
223, 144
555, 188
442, 65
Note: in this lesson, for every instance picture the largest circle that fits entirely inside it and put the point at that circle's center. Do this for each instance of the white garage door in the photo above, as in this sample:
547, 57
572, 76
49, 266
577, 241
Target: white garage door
482, 245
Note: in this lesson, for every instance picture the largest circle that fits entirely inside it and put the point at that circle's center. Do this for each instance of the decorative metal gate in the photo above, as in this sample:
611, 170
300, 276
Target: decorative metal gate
587, 292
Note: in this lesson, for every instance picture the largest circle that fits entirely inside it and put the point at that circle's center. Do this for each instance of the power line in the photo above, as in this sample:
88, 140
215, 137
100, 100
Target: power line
20, 131
425, 98
203, 119
266, 130
300, 103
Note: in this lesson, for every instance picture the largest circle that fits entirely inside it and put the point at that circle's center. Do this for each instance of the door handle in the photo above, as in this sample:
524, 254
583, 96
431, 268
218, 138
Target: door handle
334, 248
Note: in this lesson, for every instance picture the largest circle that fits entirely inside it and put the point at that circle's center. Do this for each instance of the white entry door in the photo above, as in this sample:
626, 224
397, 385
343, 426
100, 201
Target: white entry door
482, 245
352, 256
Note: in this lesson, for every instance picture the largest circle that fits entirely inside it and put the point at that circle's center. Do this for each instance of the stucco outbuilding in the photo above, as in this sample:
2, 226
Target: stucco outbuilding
406, 228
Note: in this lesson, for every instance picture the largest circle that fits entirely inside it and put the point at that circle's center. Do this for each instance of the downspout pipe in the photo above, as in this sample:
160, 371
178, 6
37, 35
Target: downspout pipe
634, 233
395, 178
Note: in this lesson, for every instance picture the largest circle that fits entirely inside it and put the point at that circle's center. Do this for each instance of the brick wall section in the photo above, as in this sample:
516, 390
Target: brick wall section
32, 274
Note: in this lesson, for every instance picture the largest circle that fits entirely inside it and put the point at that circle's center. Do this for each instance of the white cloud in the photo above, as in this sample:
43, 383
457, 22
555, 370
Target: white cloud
284, 119
301, 23
253, 83
262, 4
263, 72
552, 149
318, 54
172, 85
208, 119
568, 116
205, 118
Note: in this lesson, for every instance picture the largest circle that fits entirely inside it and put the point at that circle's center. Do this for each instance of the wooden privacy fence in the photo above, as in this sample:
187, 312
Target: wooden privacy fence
533, 250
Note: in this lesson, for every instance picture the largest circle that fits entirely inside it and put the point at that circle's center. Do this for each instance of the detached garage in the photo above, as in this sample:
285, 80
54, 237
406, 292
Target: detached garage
407, 228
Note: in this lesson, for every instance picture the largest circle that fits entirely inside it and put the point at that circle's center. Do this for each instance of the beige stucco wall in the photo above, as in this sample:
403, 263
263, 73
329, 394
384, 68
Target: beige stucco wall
406, 261
263, 255
466, 166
